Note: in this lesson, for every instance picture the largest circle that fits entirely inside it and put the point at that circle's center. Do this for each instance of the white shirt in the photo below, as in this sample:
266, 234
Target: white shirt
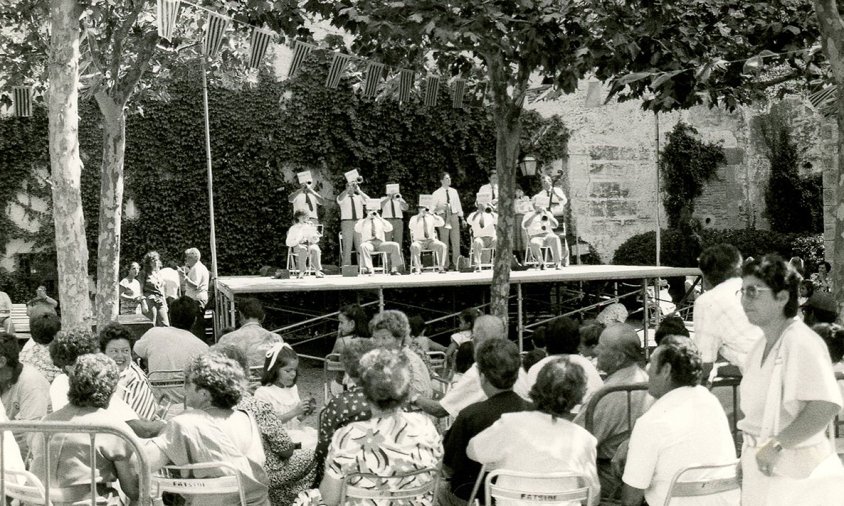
418, 224
391, 208
199, 275
721, 325
58, 399
443, 197
468, 391
302, 232
347, 200
553, 200
300, 203
372, 228
488, 227
593, 378
490, 189
536, 442
685, 427
172, 283
532, 223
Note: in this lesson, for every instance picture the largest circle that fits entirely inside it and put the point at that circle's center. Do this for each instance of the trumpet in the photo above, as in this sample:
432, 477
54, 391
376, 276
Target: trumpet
488, 209
448, 212
397, 196
360, 180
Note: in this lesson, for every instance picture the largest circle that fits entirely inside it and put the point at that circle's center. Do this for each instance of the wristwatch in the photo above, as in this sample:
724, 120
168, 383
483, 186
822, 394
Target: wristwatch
776, 445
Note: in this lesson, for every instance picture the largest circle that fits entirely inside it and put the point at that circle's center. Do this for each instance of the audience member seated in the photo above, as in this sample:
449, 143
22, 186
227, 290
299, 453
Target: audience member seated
93, 380
23, 390
6, 323
685, 426
251, 337
820, 308
498, 366
36, 351
539, 351
417, 333
465, 322
390, 330
721, 327
171, 348
350, 406
468, 389
614, 313
212, 429
833, 336
463, 360
543, 440
389, 443
822, 279
620, 356
807, 288
562, 338
590, 334
670, 326
352, 323
289, 469
116, 342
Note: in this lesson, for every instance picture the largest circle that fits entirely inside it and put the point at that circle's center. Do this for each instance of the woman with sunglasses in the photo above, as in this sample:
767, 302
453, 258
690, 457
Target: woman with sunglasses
788, 395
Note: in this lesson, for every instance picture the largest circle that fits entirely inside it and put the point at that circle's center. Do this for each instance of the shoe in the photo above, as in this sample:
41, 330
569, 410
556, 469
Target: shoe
394, 272
364, 272
320, 274
301, 275
441, 271
559, 267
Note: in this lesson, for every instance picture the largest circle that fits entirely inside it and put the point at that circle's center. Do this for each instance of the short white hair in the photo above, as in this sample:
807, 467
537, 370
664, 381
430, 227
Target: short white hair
192, 252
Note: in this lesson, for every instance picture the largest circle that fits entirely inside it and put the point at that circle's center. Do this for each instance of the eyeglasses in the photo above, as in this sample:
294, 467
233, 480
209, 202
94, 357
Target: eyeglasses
752, 291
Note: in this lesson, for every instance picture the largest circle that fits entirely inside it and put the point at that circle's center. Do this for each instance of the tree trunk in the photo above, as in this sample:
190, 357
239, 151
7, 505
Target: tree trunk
107, 304
71, 247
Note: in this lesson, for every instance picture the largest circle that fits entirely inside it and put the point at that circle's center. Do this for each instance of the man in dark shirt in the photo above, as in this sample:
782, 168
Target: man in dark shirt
498, 362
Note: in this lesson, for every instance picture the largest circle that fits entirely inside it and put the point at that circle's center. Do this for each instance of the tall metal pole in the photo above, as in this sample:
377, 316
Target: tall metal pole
210, 174
657, 199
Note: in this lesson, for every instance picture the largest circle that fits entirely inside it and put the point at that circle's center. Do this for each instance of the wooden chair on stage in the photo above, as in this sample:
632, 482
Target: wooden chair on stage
292, 258
547, 259
433, 266
379, 258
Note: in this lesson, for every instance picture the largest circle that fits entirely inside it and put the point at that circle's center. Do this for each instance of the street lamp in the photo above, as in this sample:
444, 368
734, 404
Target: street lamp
528, 165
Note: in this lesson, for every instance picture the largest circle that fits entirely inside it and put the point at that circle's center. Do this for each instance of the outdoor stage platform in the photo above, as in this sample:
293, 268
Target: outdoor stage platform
228, 287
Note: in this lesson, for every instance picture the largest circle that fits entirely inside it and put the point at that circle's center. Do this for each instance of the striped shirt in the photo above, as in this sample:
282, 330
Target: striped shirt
135, 390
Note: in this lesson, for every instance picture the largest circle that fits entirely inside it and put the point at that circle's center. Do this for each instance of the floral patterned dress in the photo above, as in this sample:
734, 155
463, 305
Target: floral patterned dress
350, 406
385, 446
287, 477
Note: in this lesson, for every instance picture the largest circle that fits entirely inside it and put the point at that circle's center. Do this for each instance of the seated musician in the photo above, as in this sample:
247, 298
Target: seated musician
423, 235
539, 226
303, 237
483, 223
372, 230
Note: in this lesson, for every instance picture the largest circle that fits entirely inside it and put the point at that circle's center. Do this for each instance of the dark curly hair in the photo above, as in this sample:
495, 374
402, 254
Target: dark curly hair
351, 354
559, 387
779, 275
385, 378
670, 326
685, 361
219, 375
114, 331
44, 327
499, 361
833, 336
358, 315
70, 344
562, 336
93, 380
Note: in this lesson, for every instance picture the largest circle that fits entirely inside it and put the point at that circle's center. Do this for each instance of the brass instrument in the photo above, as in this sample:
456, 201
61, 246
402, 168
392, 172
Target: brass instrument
448, 213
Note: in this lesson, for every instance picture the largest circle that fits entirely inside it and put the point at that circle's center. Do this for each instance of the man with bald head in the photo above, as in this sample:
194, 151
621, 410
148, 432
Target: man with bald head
620, 356
468, 389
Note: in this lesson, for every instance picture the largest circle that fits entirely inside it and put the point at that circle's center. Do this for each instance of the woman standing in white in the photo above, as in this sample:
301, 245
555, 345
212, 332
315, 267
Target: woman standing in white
788, 395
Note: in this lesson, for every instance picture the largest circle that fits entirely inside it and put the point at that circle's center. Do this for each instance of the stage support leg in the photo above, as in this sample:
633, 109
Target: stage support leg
645, 316
519, 323
380, 299
232, 313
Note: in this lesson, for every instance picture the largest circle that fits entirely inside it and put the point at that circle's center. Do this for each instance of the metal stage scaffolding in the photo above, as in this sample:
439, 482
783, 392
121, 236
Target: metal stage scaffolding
229, 287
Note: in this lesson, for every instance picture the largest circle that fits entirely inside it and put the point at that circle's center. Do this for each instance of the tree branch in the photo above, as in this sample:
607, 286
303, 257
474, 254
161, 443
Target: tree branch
94, 49
778, 80
124, 87
119, 37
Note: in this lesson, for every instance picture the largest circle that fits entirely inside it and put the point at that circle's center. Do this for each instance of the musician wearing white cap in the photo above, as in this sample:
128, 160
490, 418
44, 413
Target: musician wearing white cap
392, 210
305, 198
552, 199
303, 238
423, 235
491, 188
352, 203
372, 230
483, 223
446, 203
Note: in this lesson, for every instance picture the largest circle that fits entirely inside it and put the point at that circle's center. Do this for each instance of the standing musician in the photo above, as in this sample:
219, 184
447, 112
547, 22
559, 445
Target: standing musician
351, 201
303, 237
553, 200
305, 198
539, 226
483, 223
446, 202
372, 230
391, 210
422, 228
491, 188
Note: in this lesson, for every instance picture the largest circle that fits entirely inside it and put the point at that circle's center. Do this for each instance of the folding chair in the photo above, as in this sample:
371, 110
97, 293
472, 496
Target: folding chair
546, 261
394, 488
27, 488
438, 361
703, 487
189, 486
433, 266
487, 258
163, 383
292, 257
330, 368
255, 375
379, 262
540, 488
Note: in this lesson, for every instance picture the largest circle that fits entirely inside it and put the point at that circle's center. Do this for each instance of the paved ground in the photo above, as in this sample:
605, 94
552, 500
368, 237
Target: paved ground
310, 385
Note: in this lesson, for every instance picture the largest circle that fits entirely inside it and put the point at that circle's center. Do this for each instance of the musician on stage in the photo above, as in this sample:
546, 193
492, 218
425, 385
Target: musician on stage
483, 223
446, 202
539, 226
306, 198
303, 237
553, 200
491, 188
372, 230
352, 208
392, 207
422, 228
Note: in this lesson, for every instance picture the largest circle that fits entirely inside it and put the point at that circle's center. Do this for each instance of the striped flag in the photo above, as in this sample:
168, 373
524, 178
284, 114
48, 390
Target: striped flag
258, 44
215, 28
374, 71
168, 14
301, 51
459, 91
432, 86
405, 84
824, 99
338, 66
23, 101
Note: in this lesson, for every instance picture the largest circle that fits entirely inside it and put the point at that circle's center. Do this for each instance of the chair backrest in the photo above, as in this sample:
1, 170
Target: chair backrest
703, 487
392, 488
589, 416
330, 367
551, 491
189, 486
733, 383
24, 486
437, 359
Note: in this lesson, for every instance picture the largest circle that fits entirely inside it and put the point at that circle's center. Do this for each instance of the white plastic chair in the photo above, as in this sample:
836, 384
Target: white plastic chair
554, 491
216, 486
391, 491
703, 487
27, 488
